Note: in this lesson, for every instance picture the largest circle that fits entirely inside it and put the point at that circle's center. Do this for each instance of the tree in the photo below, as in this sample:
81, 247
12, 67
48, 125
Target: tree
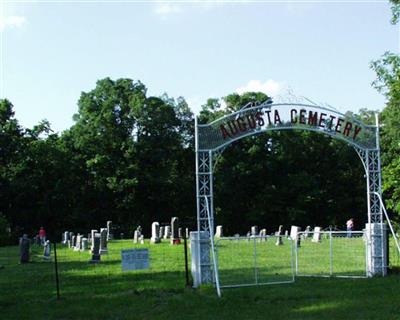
388, 82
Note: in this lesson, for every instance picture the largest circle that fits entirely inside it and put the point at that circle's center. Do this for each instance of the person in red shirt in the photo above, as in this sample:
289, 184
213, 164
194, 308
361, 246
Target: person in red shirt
42, 236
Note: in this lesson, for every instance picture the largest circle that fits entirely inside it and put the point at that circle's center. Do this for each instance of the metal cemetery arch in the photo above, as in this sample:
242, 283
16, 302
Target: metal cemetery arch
212, 138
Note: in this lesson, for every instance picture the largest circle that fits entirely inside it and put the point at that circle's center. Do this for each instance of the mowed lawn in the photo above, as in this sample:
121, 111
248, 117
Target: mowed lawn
103, 291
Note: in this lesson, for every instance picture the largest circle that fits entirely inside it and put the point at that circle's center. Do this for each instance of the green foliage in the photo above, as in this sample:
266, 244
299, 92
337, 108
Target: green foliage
395, 11
5, 235
388, 82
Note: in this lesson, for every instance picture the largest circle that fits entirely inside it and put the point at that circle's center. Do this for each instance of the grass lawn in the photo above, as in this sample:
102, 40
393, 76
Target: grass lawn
105, 292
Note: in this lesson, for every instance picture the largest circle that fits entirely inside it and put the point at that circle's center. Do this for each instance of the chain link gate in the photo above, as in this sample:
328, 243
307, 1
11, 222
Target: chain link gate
331, 254
254, 260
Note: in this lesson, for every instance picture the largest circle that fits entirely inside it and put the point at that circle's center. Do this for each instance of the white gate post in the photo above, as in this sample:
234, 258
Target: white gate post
200, 251
376, 237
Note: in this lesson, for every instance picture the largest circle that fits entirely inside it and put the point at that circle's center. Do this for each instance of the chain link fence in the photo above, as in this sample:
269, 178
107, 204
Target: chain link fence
254, 260
331, 253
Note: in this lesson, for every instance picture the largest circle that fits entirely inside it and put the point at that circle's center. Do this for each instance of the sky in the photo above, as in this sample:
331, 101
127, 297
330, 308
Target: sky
53, 51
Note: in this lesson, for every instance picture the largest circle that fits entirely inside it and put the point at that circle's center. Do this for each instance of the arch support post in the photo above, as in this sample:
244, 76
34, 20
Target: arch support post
375, 229
200, 248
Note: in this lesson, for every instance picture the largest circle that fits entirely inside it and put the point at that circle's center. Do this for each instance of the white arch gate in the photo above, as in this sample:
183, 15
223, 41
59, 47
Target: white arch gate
212, 138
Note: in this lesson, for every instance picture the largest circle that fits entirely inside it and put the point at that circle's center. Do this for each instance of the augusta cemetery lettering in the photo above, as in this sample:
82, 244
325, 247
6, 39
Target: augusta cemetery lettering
316, 119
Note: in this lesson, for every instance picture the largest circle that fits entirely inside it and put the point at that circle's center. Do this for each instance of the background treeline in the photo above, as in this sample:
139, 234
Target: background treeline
130, 158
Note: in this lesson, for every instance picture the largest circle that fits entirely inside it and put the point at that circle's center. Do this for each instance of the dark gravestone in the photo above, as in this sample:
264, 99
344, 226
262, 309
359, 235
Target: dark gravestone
180, 233
95, 248
103, 241
47, 250
162, 231
279, 241
110, 235
174, 231
24, 245
73, 242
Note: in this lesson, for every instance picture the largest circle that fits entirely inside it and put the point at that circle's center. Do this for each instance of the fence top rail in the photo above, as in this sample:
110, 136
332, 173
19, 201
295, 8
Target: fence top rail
327, 232
249, 237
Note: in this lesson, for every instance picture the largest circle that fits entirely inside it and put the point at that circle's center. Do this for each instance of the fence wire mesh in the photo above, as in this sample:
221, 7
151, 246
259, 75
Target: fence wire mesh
331, 253
255, 260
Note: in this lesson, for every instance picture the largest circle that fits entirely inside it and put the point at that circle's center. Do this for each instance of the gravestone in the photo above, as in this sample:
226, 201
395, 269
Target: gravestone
167, 232
162, 231
218, 232
307, 232
141, 239
248, 235
279, 241
88, 238
286, 233
317, 234
135, 259
92, 234
46, 250
110, 235
78, 243
174, 231
66, 237
263, 235
24, 245
136, 236
187, 233
85, 244
155, 232
73, 242
95, 248
103, 241
180, 233
121, 235
70, 244
254, 231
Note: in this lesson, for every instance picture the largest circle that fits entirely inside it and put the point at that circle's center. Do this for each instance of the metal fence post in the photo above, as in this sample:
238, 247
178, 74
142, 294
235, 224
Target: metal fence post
330, 252
186, 260
294, 241
56, 270
255, 260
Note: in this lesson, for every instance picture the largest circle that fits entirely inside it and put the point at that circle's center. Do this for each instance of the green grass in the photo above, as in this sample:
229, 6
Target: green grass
105, 292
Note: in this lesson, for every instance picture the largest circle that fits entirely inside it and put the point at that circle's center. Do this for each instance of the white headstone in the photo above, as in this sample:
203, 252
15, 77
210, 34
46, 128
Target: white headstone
136, 236
93, 232
47, 250
219, 232
78, 243
84, 244
263, 235
317, 234
167, 232
279, 241
254, 230
155, 232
